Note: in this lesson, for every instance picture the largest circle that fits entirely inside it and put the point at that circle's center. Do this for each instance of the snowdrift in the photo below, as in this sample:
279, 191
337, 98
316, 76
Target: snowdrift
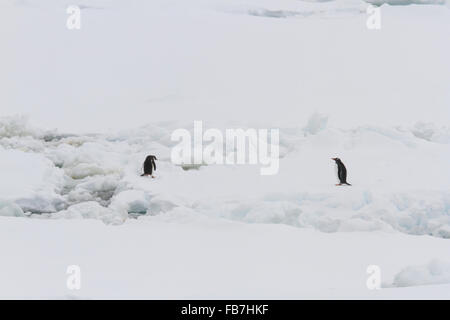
435, 272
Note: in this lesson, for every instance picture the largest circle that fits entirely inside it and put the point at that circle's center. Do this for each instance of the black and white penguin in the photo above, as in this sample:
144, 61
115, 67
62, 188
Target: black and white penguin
341, 172
149, 166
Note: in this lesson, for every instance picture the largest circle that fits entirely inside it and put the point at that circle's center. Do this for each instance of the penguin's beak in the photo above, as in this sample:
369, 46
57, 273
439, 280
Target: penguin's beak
333, 158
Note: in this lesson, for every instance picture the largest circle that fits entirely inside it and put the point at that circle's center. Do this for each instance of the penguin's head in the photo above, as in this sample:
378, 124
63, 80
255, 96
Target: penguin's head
336, 159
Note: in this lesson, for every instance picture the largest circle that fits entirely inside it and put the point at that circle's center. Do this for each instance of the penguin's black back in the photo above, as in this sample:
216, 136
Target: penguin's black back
149, 165
342, 172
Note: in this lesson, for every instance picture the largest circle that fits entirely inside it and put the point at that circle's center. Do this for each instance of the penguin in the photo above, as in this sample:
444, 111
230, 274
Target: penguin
149, 166
342, 172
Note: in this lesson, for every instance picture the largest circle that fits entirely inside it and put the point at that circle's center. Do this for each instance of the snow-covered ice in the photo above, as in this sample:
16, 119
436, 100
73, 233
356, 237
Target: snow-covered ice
190, 222
93, 104
383, 167
435, 272
184, 256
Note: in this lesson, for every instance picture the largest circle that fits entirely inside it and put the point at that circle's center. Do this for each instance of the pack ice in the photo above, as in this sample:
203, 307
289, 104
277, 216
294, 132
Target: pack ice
400, 178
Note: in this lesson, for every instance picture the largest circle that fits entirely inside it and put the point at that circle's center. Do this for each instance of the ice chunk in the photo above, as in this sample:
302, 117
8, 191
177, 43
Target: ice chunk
10, 209
92, 210
316, 123
16, 126
131, 201
31, 181
435, 272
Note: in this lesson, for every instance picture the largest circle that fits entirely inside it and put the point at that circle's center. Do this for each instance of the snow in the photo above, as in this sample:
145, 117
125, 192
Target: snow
177, 233
429, 131
316, 123
31, 181
92, 210
106, 169
132, 201
77, 130
435, 272
10, 209
182, 255
169, 66
406, 2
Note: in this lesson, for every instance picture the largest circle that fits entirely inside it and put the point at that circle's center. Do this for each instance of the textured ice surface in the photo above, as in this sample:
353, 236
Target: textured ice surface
274, 62
400, 178
435, 272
